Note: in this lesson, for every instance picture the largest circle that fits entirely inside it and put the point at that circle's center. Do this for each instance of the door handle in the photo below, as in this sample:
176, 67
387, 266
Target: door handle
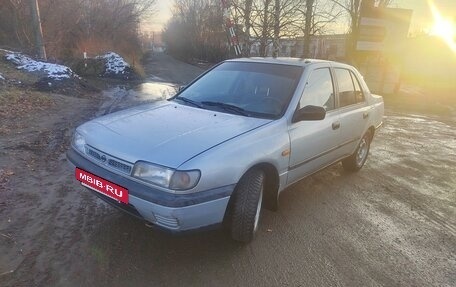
335, 125
365, 115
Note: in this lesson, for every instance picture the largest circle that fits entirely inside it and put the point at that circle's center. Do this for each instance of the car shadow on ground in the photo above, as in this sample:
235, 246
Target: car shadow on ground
124, 249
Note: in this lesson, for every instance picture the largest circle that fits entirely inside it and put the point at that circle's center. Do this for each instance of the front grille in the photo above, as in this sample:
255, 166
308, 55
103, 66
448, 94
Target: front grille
120, 166
94, 154
108, 160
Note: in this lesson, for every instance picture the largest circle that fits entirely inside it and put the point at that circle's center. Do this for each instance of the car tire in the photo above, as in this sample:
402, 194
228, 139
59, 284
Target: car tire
246, 206
356, 161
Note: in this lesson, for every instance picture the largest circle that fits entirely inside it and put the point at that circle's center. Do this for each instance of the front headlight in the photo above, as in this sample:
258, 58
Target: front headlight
79, 142
166, 177
153, 173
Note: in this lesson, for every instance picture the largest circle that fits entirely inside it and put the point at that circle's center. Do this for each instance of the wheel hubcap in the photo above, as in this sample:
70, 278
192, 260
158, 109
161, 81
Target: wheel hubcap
362, 152
257, 215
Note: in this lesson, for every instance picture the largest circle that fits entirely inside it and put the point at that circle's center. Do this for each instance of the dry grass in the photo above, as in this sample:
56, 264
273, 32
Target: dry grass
18, 103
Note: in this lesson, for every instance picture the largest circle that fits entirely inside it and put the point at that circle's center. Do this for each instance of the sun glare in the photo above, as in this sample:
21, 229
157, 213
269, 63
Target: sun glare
443, 27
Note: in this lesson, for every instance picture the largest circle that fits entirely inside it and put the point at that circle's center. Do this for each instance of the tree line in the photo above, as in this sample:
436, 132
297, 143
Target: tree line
71, 27
196, 29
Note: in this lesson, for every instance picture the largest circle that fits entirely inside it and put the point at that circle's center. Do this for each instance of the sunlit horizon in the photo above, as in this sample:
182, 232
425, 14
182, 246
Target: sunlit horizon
443, 27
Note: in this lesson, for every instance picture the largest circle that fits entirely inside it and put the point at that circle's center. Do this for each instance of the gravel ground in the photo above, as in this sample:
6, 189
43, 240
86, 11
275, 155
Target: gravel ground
391, 224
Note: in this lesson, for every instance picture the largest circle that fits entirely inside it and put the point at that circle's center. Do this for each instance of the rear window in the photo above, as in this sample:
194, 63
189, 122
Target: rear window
350, 92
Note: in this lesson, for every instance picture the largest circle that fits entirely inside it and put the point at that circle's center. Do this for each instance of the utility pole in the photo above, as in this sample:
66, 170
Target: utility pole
36, 23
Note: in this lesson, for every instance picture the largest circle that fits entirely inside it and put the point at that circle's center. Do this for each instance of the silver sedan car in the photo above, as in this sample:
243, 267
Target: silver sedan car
228, 143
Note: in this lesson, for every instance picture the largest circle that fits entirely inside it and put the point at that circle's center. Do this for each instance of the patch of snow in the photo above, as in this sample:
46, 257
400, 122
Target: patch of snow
54, 71
115, 64
1, 77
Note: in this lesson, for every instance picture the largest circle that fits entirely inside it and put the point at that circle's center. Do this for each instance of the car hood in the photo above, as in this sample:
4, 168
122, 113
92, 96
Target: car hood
167, 134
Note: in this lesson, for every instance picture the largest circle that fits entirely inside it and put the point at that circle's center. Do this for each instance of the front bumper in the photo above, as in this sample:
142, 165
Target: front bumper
174, 212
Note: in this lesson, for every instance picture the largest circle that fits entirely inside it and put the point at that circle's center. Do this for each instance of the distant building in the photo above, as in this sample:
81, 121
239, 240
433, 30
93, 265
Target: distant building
328, 47
286, 47
332, 47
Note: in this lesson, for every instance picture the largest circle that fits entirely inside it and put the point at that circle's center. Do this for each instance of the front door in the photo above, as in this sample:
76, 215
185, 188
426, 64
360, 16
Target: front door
314, 143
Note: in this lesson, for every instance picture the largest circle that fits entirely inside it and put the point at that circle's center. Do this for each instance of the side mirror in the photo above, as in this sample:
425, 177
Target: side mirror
309, 113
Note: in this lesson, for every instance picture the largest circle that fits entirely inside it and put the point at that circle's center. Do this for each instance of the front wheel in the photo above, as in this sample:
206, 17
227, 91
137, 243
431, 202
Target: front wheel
356, 161
246, 206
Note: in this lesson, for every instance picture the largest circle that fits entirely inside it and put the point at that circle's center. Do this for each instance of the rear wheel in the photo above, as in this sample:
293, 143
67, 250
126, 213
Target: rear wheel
246, 206
356, 161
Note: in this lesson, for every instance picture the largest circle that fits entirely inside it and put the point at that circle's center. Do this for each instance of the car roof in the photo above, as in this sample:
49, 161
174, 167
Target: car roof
286, 61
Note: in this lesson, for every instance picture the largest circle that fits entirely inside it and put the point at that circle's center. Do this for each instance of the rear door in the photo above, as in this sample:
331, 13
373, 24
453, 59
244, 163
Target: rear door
354, 110
314, 143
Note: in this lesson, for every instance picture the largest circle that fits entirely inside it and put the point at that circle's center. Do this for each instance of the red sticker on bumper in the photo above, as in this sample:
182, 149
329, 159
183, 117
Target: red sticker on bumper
102, 185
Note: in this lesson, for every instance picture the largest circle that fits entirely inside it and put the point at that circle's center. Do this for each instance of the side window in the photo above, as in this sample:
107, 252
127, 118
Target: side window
346, 88
359, 95
319, 90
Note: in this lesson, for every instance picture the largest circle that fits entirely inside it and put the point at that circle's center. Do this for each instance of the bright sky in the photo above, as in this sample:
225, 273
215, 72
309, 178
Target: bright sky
160, 18
421, 19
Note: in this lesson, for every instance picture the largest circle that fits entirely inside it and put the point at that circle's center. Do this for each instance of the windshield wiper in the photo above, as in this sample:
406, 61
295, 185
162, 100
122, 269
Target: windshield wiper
186, 100
227, 107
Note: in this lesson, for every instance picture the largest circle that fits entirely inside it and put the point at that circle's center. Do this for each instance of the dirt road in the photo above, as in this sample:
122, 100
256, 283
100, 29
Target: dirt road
391, 224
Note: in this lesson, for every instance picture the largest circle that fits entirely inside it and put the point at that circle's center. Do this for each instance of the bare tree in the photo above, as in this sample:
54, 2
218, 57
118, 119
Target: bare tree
353, 9
265, 21
243, 10
275, 51
36, 22
318, 15
196, 30
264, 24
287, 22
15, 26
309, 13
325, 15
275, 21
248, 24
73, 26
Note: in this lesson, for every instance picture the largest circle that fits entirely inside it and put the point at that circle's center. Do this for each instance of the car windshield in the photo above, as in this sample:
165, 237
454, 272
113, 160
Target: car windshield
249, 89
